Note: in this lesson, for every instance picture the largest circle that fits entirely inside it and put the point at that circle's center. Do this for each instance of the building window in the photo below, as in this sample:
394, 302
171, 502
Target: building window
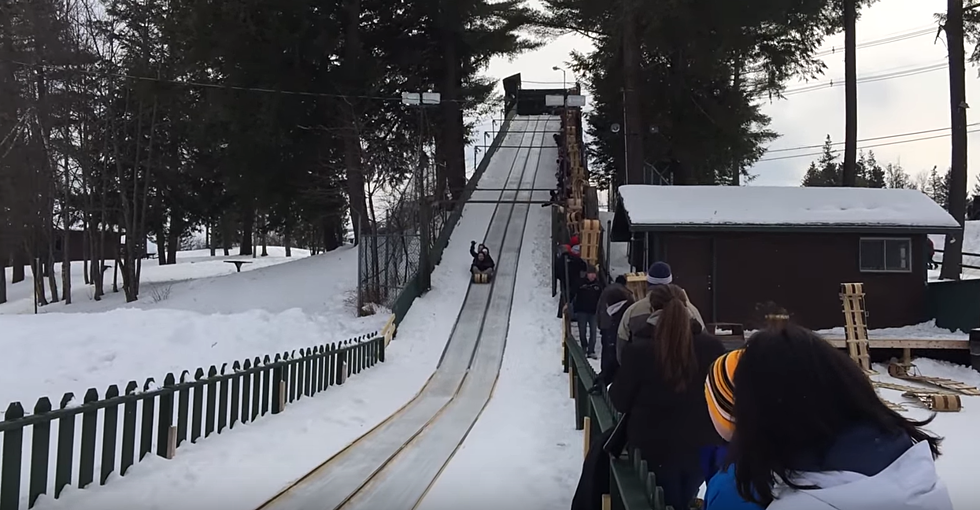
886, 255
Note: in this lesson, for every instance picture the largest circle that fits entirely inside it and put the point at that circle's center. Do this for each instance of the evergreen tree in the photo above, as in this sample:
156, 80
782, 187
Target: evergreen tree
875, 174
825, 172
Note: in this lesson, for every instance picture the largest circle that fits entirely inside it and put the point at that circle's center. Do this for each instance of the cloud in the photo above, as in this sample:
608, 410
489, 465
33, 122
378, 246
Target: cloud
888, 107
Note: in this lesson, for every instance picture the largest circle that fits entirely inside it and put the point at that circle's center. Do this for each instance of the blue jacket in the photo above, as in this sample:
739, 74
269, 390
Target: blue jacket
721, 493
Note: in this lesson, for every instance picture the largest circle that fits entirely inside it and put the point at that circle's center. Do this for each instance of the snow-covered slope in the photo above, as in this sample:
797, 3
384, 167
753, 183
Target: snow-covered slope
190, 265
202, 322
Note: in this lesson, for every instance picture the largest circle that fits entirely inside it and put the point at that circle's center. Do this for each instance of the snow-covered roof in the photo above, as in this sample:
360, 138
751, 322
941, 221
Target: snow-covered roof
674, 207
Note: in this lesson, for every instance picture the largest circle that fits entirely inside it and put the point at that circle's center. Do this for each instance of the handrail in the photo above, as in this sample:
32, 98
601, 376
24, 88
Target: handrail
632, 485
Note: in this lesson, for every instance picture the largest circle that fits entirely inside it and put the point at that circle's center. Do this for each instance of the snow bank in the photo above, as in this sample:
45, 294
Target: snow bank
772, 205
524, 449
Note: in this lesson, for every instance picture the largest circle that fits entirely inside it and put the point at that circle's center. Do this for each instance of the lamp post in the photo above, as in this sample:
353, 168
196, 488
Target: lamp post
564, 87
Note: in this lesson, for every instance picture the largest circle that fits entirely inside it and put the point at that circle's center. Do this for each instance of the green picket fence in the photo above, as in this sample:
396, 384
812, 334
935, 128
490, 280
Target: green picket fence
119, 429
632, 485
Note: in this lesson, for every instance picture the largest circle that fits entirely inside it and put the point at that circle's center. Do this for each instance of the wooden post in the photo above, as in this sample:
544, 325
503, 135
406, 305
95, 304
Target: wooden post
171, 442
282, 395
606, 502
571, 382
587, 435
975, 349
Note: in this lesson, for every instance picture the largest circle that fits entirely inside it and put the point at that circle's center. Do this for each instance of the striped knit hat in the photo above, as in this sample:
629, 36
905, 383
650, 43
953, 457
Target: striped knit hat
719, 391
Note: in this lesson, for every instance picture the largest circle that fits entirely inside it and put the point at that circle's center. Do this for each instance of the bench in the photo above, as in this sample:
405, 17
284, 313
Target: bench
238, 264
731, 334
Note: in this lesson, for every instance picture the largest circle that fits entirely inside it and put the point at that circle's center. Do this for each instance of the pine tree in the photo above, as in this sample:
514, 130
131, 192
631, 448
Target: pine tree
875, 174
826, 170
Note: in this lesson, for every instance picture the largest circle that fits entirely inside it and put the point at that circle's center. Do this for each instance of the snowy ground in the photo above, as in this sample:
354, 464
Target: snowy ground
243, 469
957, 465
191, 265
203, 322
524, 449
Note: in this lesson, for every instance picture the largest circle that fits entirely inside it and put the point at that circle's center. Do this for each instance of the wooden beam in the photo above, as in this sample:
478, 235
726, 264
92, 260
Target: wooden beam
906, 343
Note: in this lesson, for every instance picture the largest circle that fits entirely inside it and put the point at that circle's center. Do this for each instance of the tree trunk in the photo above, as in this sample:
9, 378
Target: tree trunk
227, 233
4, 259
287, 238
349, 114
210, 236
953, 249
265, 235
849, 169
66, 242
173, 238
20, 262
248, 225
452, 128
161, 242
632, 115
38, 279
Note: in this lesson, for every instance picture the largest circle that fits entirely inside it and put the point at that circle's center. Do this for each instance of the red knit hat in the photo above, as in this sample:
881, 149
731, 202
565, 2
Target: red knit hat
574, 240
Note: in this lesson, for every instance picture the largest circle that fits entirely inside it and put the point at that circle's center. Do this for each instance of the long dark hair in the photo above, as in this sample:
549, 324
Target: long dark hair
673, 346
794, 395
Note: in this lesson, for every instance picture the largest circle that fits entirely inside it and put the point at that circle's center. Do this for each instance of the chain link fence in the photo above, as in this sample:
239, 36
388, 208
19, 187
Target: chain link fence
393, 251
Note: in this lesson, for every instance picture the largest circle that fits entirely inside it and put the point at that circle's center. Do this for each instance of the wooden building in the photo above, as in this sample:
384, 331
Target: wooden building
743, 251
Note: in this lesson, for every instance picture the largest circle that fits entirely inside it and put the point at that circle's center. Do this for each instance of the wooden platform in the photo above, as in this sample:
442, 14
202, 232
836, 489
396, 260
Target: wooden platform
906, 343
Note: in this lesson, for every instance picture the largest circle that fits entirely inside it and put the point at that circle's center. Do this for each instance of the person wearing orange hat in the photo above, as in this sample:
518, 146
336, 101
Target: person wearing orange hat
719, 391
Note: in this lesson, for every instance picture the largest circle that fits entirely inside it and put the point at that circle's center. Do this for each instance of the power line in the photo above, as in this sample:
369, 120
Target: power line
902, 36
891, 75
811, 154
876, 138
198, 84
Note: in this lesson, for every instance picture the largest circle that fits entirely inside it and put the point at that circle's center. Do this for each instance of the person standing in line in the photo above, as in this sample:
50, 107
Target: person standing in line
721, 492
660, 386
585, 306
636, 315
812, 433
613, 302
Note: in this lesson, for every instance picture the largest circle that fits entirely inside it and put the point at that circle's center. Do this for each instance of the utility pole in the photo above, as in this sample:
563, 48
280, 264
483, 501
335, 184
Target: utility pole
632, 118
953, 249
849, 170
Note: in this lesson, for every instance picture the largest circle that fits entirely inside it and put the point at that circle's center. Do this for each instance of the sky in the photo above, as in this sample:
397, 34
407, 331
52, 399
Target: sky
887, 107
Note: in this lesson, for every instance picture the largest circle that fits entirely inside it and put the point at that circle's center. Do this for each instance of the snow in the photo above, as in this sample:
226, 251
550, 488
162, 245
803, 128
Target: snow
190, 265
524, 449
245, 468
960, 449
925, 331
773, 205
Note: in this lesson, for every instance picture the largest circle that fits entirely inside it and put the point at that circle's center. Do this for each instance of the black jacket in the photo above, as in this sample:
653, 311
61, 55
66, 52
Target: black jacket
669, 428
594, 480
612, 294
587, 297
483, 265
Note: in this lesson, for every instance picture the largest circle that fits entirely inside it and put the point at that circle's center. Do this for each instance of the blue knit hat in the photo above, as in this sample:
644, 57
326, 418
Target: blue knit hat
659, 274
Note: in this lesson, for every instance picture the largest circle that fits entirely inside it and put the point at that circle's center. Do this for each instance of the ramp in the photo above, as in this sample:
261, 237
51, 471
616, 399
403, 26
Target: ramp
394, 464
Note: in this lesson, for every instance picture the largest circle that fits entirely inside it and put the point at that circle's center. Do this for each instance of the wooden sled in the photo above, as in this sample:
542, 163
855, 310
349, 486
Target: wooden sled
481, 278
908, 372
932, 400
